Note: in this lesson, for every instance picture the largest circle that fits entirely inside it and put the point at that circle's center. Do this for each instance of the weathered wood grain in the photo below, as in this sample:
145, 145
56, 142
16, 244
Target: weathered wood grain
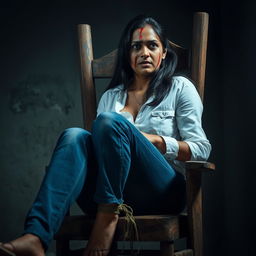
150, 227
88, 93
200, 166
199, 50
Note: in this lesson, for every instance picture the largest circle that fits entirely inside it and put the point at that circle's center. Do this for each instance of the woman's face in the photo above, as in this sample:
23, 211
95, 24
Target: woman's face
146, 52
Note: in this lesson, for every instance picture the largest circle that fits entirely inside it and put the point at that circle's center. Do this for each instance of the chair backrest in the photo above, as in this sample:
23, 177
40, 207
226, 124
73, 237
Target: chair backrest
192, 60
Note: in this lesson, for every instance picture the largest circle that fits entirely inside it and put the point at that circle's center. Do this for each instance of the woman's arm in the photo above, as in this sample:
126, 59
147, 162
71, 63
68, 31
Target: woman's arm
184, 153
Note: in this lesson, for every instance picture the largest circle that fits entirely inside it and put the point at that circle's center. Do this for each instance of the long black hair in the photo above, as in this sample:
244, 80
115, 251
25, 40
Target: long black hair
160, 83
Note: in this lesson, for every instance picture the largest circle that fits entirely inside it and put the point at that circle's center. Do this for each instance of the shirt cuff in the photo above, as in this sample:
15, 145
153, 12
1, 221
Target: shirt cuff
172, 147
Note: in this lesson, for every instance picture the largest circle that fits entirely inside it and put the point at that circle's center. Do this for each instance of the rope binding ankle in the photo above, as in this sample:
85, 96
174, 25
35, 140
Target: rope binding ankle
131, 230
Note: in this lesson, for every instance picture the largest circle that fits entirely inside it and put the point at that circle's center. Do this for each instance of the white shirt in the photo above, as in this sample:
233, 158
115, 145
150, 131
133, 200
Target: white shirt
176, 118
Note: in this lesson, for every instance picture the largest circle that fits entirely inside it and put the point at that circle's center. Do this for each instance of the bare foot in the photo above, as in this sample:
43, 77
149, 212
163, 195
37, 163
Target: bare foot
102, 234
27, 245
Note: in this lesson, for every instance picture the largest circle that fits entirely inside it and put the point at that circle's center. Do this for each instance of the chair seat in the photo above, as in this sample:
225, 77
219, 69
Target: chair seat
150, 227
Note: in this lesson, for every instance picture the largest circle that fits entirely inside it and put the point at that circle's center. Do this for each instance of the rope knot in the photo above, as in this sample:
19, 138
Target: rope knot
131, 230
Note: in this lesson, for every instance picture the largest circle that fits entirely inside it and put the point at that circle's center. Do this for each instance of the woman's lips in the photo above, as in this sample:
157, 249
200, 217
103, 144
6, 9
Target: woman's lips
145, 63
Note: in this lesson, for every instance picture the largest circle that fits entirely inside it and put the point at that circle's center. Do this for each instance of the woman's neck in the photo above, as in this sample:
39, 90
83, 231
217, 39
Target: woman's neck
140, 83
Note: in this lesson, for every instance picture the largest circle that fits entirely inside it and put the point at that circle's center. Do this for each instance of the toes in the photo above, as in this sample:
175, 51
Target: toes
9, 246
6, 250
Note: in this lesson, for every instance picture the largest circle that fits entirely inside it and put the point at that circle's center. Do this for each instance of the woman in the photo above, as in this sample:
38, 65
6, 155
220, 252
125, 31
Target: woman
148, 123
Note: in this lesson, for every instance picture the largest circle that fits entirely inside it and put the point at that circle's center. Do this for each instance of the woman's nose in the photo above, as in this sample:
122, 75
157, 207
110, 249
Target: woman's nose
144, 51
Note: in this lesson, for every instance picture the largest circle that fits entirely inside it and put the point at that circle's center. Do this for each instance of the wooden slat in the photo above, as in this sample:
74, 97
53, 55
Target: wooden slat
104, 66
150, 227
153, 228
200, 166
188, 252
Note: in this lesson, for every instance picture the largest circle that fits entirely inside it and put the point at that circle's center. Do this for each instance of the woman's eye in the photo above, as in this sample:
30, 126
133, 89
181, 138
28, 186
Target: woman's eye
153, 45
135, 47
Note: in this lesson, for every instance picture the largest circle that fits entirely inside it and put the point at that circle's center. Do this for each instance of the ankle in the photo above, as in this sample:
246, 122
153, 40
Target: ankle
107, 217
109, 208
33, 238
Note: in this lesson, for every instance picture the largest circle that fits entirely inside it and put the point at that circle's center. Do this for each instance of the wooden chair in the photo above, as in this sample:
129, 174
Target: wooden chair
162, 228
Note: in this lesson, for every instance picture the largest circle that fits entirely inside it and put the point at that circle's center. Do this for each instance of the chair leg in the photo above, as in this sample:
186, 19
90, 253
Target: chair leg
166, 248
62, 247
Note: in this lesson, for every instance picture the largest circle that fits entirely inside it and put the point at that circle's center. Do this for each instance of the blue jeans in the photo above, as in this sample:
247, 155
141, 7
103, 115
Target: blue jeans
113, 164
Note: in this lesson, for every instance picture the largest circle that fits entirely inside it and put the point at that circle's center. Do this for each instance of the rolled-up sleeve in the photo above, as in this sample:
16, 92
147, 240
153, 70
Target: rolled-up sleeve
172, 147
189, 115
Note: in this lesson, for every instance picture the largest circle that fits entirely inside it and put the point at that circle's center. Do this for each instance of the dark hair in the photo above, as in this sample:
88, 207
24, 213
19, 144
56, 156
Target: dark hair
160, 83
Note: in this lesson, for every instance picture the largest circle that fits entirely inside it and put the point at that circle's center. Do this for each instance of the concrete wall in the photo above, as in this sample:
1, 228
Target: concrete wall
40, 96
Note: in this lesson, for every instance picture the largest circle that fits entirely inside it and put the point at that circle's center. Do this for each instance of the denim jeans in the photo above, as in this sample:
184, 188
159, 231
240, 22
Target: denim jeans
113, 164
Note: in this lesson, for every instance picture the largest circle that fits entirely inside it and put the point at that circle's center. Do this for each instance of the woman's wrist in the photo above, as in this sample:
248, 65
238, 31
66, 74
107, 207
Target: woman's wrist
160, 144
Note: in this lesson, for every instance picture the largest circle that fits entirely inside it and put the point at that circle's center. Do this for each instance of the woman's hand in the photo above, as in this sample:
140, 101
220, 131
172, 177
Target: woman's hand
184, 153
157, 141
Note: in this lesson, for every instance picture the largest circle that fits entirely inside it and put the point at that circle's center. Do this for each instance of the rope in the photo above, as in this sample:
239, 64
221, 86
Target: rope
130, 231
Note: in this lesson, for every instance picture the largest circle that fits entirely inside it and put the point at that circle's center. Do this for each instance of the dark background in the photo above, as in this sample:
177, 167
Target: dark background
40, 96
